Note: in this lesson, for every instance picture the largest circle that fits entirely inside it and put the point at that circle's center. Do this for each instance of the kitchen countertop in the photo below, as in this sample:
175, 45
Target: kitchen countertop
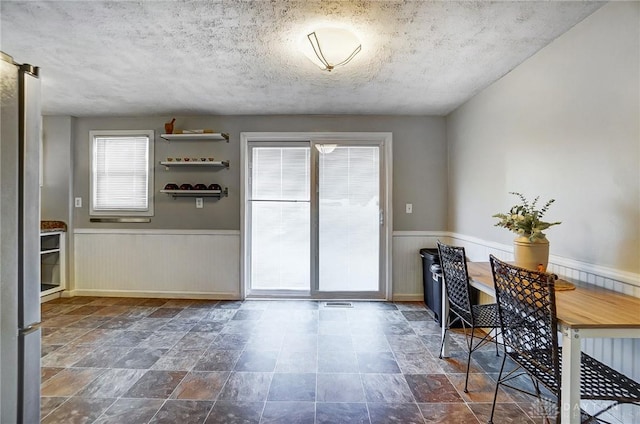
51, 226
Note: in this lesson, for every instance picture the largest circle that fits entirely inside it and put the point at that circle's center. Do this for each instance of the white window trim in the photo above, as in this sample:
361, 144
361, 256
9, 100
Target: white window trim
150, 186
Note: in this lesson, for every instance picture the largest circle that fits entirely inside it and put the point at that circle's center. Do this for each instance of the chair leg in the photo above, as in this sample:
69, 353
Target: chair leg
495, 341
446, 323
466, 380
495, 394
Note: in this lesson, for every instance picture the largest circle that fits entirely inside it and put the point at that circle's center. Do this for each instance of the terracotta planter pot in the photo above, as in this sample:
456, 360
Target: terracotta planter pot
531, 255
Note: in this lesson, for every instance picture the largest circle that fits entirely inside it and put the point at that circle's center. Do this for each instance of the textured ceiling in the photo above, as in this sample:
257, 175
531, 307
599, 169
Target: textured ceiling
241, 57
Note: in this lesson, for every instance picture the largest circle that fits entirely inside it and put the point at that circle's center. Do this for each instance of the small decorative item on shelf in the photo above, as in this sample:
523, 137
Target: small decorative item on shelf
194, 159
211, 159
531, 247
200, 187
171, 186
186, 186
168, 127
215, 187
203, 159
178, 159
169, 159
187, 159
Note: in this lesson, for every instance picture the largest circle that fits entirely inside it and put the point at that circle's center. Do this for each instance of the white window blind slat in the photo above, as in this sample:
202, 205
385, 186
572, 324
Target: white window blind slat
120, 173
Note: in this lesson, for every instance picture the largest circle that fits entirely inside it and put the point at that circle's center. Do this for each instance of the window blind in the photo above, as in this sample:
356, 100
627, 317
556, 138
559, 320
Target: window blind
120, 173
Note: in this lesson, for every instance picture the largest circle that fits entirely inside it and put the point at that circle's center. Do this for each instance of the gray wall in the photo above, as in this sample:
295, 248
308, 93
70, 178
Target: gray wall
57, 136
419, 166
566, 125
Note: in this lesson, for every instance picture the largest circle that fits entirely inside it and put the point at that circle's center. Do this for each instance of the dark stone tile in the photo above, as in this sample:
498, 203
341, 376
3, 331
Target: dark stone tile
182, 411
150, 324
342, 413
65, 356
401, 413
119, 323
165, 312
203, 304
127, 338
225, 412
138, 312
445, 413
69, 381
379, 306
85, 310
342, 361
208, 326
103, 357
406, 344
505, 413
399, 329
288, 412
390, 388
62, 336
292, 387
218, 360
433, 388
339, 388
256, 360
48, 404
481, 388
155, 384
219, 314
162, 339
178, 325
113, 383
243, 327
248, 315
140, 358
377, 362
418, 363
196, 341
78, 410
230, 341
178, 303
178, 359
131, 411
201, 385
491, 363
228, 304
193, 315
246, 387
417, 316
91, 321
47, 349
456, 363
153, 302
46, 373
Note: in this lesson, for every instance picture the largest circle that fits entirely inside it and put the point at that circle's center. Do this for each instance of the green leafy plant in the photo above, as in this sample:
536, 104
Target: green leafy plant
524, 219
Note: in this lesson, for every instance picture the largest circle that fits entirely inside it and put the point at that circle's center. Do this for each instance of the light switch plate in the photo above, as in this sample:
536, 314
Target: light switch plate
409, 208
199, 203
78, 202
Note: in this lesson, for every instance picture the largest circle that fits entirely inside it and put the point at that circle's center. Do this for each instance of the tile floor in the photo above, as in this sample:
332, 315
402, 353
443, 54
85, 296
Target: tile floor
123, 360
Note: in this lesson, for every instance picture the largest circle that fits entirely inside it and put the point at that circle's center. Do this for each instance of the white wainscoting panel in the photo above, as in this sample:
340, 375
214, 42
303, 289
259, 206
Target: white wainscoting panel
157, 263
407, 263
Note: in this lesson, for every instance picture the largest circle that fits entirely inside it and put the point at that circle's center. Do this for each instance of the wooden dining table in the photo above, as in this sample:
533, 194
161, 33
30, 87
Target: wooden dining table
585, 312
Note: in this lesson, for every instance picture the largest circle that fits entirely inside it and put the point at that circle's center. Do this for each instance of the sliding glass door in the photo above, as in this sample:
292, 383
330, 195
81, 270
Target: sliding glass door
315, 219
349, 219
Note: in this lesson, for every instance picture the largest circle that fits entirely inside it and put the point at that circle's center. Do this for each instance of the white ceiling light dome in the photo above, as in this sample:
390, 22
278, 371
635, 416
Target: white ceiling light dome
330, 47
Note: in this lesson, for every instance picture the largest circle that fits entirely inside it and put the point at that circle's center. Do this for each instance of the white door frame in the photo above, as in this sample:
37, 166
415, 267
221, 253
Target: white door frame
386, 206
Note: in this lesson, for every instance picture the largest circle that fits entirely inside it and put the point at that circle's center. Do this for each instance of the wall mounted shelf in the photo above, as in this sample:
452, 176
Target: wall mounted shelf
195, 164
196, 137
197, 193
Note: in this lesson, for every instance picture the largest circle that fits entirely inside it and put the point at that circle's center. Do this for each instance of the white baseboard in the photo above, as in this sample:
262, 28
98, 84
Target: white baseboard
156, 294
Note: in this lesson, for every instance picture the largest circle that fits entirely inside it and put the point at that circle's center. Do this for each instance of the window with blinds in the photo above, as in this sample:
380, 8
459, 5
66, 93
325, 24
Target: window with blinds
121, 173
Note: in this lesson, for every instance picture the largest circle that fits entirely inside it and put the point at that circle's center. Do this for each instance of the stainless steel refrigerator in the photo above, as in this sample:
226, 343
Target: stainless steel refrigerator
20, 121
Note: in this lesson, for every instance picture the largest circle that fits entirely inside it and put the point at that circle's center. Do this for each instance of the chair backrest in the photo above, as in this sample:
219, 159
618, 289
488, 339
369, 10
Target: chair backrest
527, 309
456, 279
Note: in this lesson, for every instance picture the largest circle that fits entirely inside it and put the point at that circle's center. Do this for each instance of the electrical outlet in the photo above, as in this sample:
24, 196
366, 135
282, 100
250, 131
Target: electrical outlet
409, 208
78, 202
199, 203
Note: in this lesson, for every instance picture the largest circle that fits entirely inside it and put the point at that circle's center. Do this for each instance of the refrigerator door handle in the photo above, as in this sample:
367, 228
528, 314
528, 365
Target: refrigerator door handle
29, 328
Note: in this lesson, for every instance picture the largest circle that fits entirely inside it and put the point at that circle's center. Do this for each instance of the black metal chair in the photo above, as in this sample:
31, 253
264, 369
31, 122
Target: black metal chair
527, 310
456, 281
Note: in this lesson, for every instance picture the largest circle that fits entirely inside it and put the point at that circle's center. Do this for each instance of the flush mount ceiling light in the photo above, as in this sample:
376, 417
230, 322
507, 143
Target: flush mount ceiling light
330, 48
325, 149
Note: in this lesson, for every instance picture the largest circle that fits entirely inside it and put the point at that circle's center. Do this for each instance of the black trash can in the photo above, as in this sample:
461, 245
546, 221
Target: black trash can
432, 287
433, 284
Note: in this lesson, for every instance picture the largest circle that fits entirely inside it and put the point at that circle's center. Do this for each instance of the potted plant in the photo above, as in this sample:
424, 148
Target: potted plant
530, 247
